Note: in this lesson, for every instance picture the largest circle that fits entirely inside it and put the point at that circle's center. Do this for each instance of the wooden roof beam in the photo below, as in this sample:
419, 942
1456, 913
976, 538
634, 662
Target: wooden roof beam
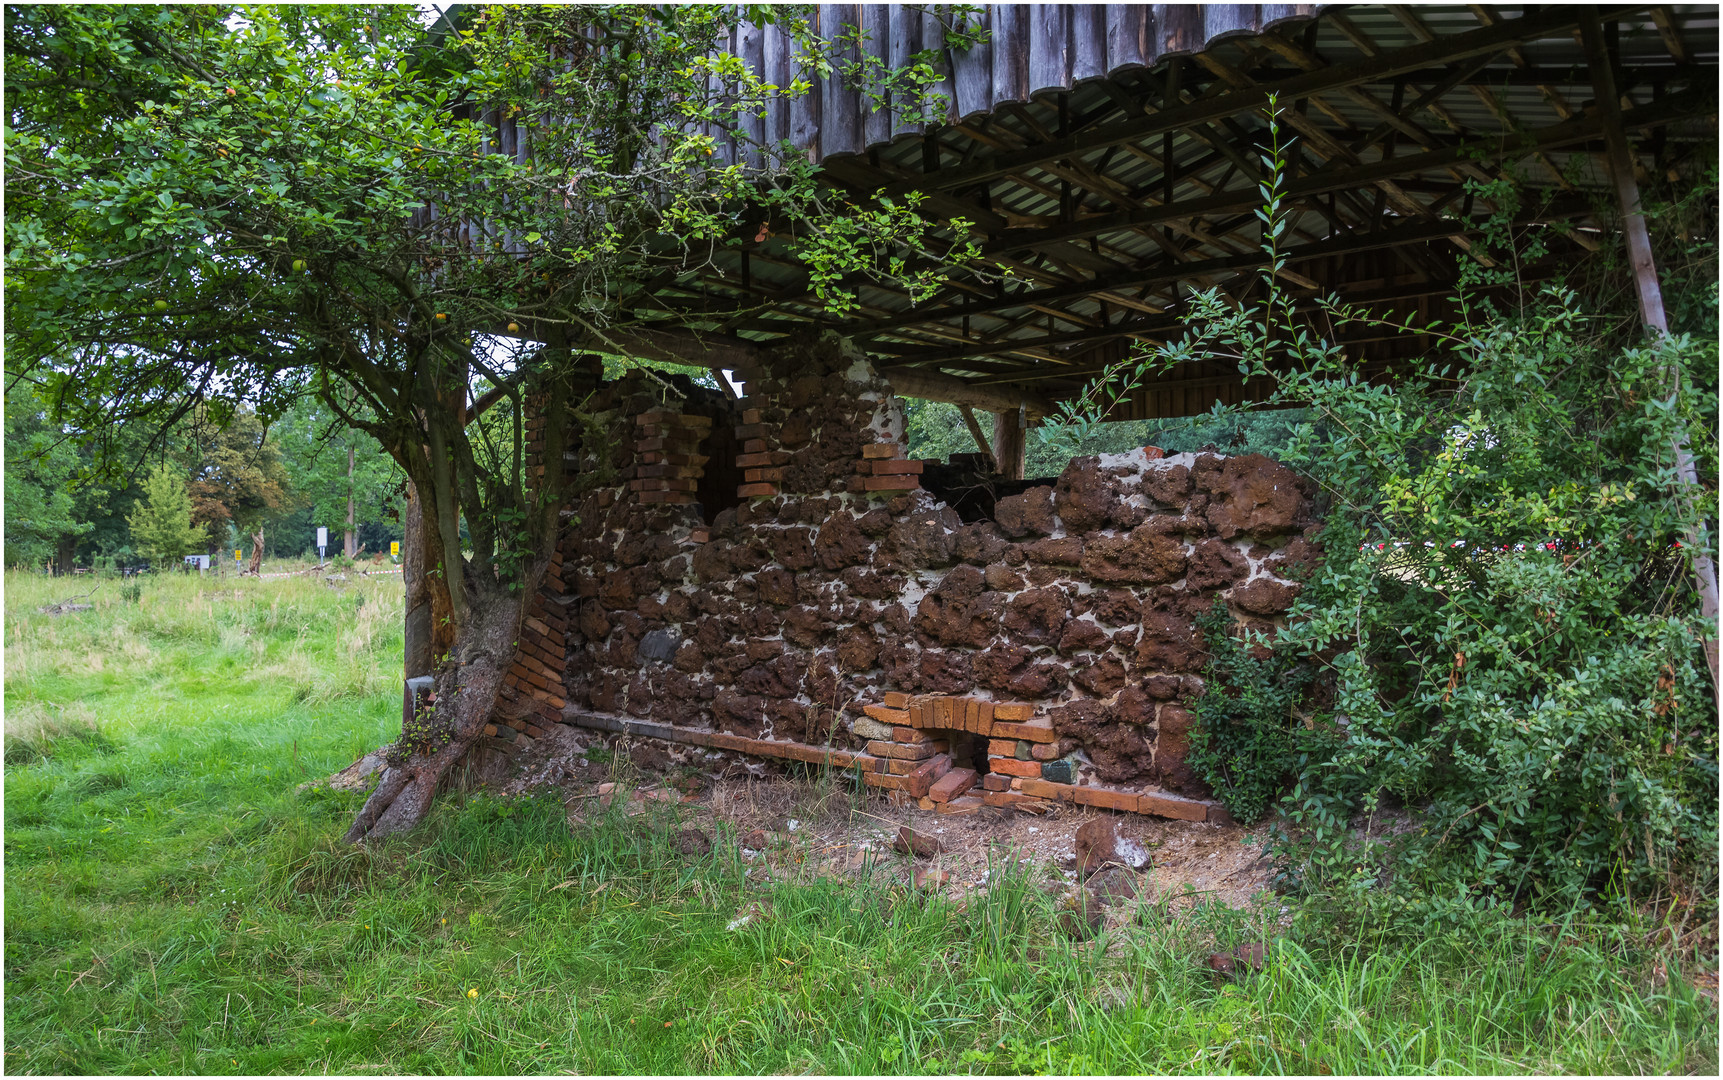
1384, 65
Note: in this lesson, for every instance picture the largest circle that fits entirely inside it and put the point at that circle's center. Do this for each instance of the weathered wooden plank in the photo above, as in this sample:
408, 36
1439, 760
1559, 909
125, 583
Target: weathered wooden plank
903, 31
753, 53
1049, 48
972, 75
1178, 28
1128, 35
840, 105
933, 38
776, 48
876, 44
1088, 41
1010, 47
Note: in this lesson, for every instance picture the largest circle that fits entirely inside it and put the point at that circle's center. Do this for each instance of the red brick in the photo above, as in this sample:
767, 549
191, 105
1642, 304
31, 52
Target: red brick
901, 768
996, 782
1040, 732
896, 467
751, 431
896, 699
876, 451
491, 730
762, 476
1045, 789
535, 731
755, 461
887, 715
1013, 767
1002, 747
910, 735
1012, 710
891, 483
945, 712
934, 768
755, 491
751, 416
755, 446
905, 751
1171, 806
951, 785
963, 804
1107, 797
886, 780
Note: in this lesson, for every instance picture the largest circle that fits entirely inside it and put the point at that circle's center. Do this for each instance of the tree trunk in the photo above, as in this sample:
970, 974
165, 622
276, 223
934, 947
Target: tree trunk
467, 687
256, 552
66, 554
349, 542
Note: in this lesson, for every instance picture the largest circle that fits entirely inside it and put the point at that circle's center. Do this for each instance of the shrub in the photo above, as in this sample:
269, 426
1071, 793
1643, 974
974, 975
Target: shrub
1244, 741
1506, 613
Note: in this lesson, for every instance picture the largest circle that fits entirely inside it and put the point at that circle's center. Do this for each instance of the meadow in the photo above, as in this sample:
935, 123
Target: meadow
176, 902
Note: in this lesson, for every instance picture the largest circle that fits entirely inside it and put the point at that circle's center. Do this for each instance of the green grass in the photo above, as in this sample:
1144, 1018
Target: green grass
172, 905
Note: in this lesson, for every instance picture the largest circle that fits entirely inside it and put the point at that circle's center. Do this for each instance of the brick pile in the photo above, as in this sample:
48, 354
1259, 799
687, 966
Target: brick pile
670, 463
761, 461
883, 468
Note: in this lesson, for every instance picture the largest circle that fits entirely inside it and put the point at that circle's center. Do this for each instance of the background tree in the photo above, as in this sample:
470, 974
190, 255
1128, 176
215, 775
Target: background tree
42, 521
237, 474
223, 206
162, 527
338, 474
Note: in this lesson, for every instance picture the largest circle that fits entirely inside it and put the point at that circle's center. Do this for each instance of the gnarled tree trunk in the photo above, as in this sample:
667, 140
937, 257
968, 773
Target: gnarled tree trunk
466, 692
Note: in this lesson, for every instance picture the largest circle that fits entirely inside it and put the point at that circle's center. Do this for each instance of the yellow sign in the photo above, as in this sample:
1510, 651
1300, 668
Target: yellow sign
395, 548
235, 554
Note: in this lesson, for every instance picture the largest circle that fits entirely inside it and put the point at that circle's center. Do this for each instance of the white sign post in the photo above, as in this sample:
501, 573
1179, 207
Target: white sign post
322, 542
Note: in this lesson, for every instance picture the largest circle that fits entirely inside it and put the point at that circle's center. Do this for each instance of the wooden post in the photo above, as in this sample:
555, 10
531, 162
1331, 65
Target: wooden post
1009, 429
975, 433
1650, 293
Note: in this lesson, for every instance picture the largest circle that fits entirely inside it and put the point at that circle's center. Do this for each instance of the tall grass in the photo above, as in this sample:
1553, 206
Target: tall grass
174, 904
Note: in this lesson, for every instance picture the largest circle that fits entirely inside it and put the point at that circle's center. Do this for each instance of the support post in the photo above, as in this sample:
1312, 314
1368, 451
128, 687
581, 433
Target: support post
1009, 430
1650, 293
975, 433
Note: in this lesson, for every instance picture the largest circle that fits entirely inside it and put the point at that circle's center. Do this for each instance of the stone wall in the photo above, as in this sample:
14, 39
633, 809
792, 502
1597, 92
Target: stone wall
839, 612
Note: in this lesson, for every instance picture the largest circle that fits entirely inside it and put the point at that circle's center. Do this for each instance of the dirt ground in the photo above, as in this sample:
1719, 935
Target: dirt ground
789, 825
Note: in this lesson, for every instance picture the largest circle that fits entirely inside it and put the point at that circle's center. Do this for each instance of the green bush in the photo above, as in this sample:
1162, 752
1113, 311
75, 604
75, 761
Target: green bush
1244, 742
1505, 624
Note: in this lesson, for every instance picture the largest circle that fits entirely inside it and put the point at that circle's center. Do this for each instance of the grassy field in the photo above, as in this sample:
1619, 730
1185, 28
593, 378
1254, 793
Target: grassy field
173, 905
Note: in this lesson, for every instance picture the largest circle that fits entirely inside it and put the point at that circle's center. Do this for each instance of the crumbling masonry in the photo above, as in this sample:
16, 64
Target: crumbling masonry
770, 577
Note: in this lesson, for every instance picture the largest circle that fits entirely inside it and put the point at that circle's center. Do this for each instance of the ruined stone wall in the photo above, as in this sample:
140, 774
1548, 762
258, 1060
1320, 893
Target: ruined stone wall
838, 612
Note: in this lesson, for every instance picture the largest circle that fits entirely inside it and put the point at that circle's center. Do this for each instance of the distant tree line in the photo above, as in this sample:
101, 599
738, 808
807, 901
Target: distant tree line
212, 484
